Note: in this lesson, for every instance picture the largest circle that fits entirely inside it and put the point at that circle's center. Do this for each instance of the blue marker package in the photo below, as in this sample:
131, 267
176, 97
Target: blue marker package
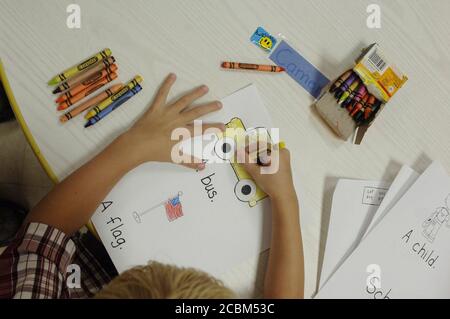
299, 69
263, 39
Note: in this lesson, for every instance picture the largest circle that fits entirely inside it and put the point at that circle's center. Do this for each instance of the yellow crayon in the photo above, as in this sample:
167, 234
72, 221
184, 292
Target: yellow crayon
80, 67
103, 105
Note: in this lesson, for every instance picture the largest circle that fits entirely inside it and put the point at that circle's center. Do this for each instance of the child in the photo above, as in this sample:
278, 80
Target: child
36, 263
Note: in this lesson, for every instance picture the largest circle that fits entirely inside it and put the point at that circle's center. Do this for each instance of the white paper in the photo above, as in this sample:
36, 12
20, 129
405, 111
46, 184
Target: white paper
402, 182
354, 205
217, 231
407, 255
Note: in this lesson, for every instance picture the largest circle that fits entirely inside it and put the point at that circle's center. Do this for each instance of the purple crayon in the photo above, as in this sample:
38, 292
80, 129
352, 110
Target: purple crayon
355, 97
340, 81
345, 86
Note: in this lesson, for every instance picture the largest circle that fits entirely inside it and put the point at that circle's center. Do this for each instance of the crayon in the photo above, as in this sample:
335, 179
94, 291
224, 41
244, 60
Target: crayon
96, 118
359, 105
340, 81
370, 102
72, 82
103, 105
351, 98
253, 67
91, 102
86, 92
349, 91
371, 111
359, 116
96, 78
80, 67
360, 93
345, 86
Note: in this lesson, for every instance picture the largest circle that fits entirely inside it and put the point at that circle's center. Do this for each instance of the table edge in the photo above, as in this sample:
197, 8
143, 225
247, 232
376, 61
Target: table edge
23, 125
26, 131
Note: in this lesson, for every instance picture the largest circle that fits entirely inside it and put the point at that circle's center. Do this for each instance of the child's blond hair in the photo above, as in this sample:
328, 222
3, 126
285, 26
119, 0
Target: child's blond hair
158, 281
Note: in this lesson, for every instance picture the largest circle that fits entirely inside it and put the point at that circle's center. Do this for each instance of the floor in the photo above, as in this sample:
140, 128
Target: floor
22, 179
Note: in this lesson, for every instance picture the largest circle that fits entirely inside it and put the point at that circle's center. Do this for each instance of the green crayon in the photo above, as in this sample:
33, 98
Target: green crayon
80, 67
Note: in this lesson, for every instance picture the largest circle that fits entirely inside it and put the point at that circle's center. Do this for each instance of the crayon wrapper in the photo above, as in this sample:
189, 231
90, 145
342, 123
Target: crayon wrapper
381, 78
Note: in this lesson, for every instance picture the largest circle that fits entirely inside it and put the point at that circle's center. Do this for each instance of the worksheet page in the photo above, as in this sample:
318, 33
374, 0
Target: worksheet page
406, 255
211, 220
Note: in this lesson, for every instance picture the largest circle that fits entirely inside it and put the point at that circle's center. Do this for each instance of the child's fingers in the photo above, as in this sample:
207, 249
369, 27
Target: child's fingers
193, 162
252, 168
189, 98
163, 92
207, 128
199, 111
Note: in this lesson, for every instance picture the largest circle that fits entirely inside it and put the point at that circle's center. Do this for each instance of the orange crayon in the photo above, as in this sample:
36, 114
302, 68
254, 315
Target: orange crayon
96, 78
72, 82
87, 91
360, 105
253, 67
91, 102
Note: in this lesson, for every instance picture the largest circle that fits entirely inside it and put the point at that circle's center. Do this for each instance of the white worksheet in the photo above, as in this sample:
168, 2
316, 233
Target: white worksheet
354, 205
211, 220
402, 182
406, 255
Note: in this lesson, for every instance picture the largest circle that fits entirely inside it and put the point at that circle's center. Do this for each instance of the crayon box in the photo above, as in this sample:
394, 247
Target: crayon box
381, 79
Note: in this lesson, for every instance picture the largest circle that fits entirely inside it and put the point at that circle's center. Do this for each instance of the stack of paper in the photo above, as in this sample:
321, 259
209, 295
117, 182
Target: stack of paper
389, 242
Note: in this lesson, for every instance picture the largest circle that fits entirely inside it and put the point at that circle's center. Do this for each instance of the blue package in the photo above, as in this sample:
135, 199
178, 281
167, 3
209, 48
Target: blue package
298, 68
263, 39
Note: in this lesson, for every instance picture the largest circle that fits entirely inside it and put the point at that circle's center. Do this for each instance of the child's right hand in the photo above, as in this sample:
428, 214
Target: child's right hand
278, 184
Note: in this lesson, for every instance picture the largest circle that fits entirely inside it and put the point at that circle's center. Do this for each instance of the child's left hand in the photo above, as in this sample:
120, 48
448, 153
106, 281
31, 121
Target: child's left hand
150, 138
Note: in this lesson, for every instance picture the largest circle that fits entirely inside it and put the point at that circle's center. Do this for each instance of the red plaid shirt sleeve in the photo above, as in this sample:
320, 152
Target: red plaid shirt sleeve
35, 264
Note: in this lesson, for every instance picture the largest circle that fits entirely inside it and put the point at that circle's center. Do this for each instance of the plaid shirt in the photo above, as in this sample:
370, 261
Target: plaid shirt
43, 262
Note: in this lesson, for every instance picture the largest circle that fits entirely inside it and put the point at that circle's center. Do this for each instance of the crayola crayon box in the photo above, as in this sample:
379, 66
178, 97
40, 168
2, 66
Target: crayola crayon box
351, 104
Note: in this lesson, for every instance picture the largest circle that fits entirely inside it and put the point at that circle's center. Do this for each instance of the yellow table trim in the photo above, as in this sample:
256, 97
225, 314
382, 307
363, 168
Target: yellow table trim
29, 136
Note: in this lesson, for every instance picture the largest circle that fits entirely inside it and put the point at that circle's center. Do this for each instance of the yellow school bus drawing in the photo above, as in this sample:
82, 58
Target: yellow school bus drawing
235, 133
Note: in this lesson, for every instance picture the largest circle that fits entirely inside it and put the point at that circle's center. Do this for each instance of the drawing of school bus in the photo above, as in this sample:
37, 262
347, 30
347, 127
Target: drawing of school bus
235, 133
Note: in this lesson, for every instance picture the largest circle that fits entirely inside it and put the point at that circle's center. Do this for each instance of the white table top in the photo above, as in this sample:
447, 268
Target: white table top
191, 38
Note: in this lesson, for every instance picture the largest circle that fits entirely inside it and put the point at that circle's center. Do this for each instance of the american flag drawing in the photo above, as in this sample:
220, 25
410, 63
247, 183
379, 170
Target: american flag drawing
174, 210
173, 207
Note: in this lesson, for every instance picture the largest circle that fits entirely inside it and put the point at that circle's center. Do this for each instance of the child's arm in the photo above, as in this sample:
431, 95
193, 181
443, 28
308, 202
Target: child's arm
285, 272
71, 203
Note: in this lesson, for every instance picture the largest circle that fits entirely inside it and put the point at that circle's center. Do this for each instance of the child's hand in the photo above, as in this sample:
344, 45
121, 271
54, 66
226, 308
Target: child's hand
278, 184
150, 138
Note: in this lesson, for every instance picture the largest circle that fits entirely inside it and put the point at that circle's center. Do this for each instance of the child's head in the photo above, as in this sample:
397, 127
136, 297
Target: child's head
158, 281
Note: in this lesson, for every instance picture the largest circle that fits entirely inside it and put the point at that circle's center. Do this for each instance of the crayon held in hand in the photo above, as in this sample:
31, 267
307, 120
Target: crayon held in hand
80, 67
107, 64
103, 105
86, 92
340, 81
124, 98
90, 103
96, 78
252, 67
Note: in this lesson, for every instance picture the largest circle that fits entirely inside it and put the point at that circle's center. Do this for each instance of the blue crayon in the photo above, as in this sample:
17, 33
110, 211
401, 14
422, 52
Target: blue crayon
113, 106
